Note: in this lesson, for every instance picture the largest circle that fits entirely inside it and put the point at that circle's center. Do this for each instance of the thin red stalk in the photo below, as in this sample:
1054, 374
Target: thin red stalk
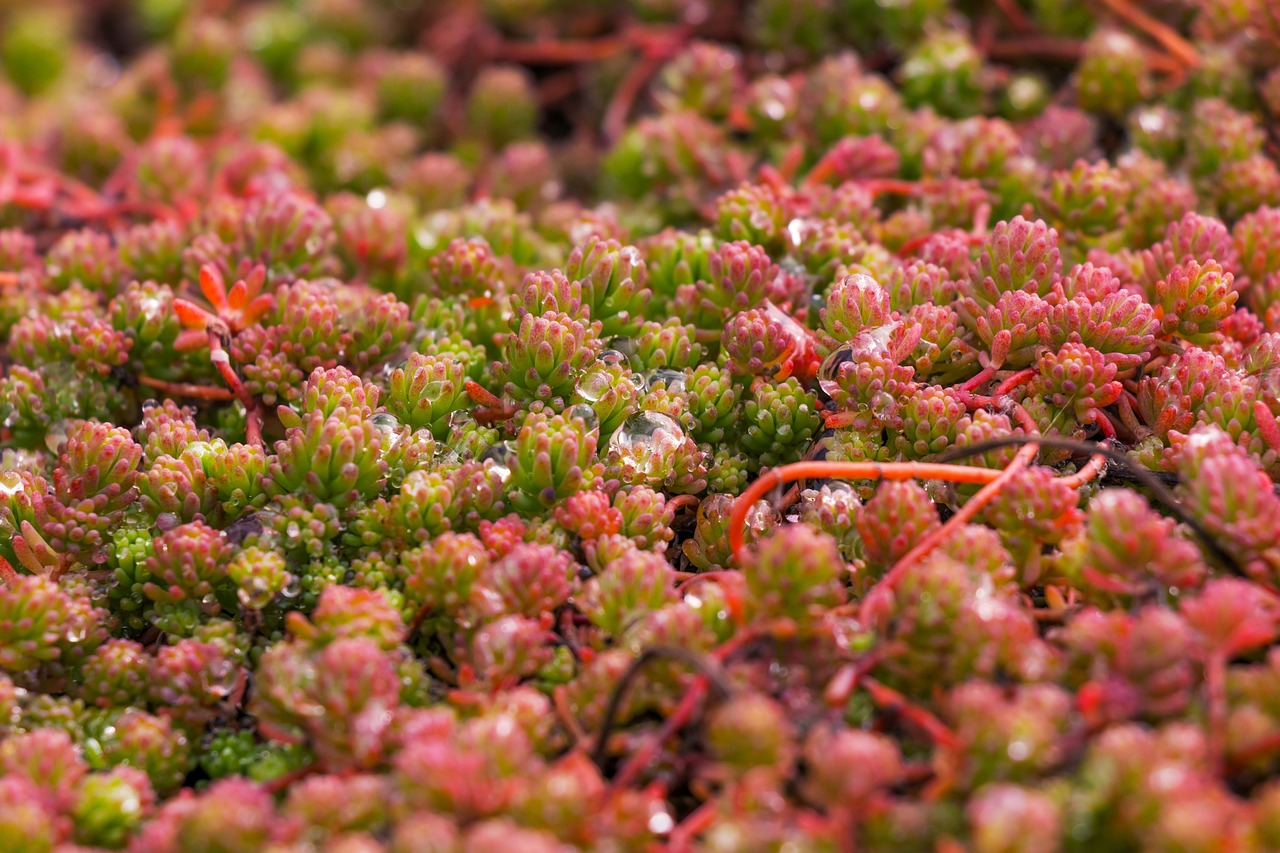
683, 713
697, 822
1013, 382
619, 108
1089, 471
897, 186
1166, 36
644, 755
1215, 678
560, 701
884, 587
827, 469
186, 389
253, 415
1262, 748
975, 382
282, 783
1038, 47
921, 718
916, 242
1105, 426
1018, 19
565, 52
679, 502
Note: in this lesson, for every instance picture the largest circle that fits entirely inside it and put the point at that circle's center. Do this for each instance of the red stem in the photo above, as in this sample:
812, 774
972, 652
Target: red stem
1014, 381
892, 700
680, 501
975, 382
1168, 38
878, 594
825, 469
566, 52
697, 822
1105, 426
185, 389
1018, 19
643, 756
222, 361
1089, 471
1215, 678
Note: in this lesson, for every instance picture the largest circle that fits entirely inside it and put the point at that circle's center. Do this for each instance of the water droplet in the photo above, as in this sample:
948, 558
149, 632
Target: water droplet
611, 356
661, 823
645, 440
209, 603
75, 633
57, 435
594, 385
671, 379
498, 458
795, 230
198, 449
292, 530
10, 483
388, 427
376, 199
293, 588
829, 371
219, 679
626, 347
166, 521
586, 414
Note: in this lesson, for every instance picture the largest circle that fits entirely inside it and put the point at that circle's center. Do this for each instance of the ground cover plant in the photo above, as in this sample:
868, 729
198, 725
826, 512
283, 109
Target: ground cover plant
784, 425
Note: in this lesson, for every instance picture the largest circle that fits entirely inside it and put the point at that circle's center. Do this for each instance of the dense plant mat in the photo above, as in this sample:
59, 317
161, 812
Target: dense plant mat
783, 425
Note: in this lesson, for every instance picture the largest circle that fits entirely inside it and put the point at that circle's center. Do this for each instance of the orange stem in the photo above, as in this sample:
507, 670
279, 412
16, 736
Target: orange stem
1089, 471
962, 517
1168, 37
565, 52
828, 469
186, 389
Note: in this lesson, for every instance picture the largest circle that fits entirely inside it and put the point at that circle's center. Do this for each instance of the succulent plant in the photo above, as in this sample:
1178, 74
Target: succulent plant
565, 426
